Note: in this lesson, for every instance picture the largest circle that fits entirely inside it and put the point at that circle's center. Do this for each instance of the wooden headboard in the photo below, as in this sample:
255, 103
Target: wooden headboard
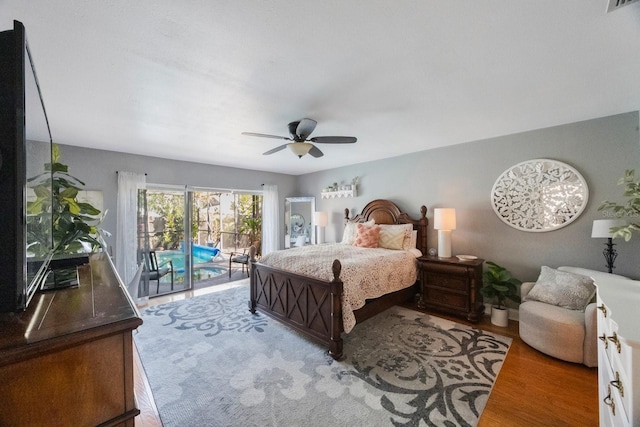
384, 211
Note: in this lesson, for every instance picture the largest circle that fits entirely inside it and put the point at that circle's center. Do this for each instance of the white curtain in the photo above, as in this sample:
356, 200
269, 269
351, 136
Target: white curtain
270, 219
126, 235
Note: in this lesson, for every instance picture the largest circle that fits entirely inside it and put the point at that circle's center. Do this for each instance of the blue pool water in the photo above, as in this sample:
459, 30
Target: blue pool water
201, 255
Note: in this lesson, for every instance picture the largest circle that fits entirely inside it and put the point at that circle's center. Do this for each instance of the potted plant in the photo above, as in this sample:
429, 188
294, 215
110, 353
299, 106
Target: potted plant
630, 209
499, 285
73, 222
253, 227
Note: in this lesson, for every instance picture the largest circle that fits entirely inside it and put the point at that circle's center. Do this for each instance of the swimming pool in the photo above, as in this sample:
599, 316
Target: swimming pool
202, 273
177, 258
201, 255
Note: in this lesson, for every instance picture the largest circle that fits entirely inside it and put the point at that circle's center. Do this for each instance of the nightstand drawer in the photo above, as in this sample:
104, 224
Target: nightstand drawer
459, 283
451, 285
438, 297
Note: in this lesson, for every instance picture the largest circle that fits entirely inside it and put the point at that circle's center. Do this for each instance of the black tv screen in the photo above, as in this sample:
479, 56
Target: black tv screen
26, 241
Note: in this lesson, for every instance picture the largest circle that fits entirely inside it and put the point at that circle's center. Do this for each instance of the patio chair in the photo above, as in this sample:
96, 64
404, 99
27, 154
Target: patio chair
244, 257
157, 271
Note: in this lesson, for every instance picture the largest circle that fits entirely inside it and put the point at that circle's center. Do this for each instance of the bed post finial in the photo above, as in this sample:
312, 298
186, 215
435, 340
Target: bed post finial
423, 211
346, 213
336, 268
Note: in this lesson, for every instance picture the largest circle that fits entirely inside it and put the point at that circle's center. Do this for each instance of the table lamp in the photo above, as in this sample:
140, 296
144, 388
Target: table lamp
444, 220
321, 219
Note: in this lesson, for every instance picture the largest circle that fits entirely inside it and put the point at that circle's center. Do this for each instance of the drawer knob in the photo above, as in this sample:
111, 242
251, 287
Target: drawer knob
609, 401
603, 338
614, 339
618, 384
603, 308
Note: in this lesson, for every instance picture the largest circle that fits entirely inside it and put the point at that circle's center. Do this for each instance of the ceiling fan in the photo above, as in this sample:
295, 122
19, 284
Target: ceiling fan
300, 144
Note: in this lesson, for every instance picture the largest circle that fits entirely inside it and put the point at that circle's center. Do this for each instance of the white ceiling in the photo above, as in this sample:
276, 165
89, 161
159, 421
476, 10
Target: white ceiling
182, 80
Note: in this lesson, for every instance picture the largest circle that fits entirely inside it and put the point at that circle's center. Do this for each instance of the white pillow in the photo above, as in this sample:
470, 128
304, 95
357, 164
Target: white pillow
391, 238
394, 229
351, 231
413, 241
562, 288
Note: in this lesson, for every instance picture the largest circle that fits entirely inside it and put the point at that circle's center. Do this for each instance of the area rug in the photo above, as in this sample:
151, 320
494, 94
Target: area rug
210, 362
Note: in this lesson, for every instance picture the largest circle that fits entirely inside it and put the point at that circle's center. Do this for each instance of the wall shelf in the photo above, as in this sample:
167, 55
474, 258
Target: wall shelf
352, 192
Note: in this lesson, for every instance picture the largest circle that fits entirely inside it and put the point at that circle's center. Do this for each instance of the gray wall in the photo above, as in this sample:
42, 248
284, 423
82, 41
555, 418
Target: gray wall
97, 168
462, 177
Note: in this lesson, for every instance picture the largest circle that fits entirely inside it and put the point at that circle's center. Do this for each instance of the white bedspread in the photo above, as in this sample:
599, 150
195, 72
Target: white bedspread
366, 272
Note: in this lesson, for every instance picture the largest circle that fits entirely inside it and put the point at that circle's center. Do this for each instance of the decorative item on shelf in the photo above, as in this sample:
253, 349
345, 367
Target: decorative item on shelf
321, 219
539, 195
602, 230
444, 220
338, 191
499, 285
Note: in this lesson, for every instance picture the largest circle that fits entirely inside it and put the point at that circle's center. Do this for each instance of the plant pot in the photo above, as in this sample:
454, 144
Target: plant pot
500, 316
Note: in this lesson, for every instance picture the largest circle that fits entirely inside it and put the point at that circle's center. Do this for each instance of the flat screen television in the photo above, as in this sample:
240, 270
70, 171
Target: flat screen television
25, 150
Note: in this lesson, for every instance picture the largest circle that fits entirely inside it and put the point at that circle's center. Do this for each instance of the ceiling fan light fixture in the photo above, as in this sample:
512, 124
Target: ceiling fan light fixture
300, 148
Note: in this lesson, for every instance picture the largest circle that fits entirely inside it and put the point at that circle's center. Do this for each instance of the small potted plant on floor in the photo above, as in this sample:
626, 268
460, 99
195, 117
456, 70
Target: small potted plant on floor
499, 285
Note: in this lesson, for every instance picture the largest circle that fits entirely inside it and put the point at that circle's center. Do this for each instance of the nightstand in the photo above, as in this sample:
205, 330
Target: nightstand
452, 286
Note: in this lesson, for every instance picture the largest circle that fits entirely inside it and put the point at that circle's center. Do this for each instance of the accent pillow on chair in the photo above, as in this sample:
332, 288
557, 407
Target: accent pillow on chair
563, 289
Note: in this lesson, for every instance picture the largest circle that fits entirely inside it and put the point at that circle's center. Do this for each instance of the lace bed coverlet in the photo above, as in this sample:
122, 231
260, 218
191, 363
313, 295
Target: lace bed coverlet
366, 272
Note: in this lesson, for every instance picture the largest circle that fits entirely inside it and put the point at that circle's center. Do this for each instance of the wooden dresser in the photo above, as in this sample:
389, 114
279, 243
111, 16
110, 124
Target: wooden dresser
451, 286
619, 351
68, 359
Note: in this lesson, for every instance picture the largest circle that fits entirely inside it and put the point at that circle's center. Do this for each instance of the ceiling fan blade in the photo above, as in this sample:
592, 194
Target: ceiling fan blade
275, 150
264, 135
305, 127
334, 139
315, 152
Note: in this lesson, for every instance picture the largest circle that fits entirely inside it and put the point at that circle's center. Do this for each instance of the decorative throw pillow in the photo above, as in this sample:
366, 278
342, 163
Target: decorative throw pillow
561, 288
351, 231
393, 236
368, 236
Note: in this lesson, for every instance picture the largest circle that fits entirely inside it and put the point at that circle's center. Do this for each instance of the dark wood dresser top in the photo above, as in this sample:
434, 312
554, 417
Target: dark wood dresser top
62, 318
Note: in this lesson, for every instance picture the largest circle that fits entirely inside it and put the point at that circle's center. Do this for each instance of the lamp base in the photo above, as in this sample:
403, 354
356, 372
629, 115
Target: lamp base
444, 243
610, 254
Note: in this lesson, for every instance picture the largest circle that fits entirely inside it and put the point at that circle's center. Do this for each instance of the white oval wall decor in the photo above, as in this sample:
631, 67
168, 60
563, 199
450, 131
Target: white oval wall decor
539, 195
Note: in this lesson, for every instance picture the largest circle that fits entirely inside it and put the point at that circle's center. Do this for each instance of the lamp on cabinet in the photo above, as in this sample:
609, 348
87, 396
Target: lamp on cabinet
321, 220
444, 220
602, 230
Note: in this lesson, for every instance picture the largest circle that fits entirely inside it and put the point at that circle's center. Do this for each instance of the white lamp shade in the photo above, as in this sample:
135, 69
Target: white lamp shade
321, 219
300, 148
601, 227
444, 219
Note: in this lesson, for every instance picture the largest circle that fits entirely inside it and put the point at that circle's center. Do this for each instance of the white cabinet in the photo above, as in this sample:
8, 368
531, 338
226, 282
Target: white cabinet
619, 351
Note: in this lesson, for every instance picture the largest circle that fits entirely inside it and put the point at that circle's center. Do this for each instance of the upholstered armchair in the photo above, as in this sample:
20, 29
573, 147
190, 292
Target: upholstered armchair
566, 334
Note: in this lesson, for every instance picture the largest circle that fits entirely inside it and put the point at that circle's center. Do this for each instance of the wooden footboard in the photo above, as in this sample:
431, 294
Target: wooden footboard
311, 306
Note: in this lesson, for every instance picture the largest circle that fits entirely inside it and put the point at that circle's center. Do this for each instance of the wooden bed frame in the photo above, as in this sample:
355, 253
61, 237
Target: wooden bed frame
312, 306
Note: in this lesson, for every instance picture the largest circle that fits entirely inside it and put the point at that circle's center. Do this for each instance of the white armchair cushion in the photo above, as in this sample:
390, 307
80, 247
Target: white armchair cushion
563, 289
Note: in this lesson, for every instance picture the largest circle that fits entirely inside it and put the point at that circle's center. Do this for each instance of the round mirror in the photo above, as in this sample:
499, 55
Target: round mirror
539, 195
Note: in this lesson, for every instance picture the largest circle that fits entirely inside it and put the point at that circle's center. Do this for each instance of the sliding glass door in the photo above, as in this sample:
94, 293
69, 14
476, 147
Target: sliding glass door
191, 232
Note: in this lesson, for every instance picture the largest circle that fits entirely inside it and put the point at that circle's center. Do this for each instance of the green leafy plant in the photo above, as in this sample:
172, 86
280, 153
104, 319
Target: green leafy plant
252, 226
499, 285
630, 209
73, 221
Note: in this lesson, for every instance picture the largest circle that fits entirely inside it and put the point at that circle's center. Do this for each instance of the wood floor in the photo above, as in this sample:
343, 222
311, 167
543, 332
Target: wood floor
532, 389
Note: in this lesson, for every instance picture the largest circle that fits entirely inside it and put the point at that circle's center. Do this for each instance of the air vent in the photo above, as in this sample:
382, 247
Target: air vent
617, 4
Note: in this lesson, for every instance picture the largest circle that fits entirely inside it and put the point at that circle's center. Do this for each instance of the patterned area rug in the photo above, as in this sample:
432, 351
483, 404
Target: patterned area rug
212, 363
